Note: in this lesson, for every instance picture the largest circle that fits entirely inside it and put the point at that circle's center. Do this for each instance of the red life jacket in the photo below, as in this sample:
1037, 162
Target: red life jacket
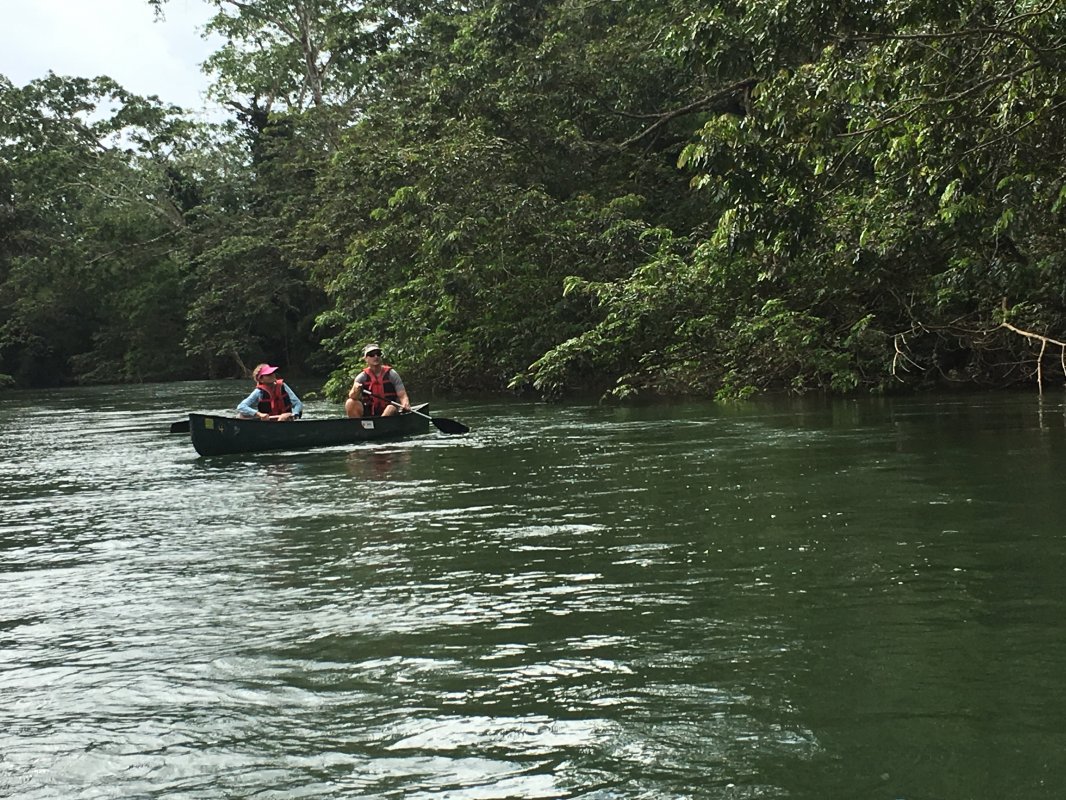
274, 399
379, 385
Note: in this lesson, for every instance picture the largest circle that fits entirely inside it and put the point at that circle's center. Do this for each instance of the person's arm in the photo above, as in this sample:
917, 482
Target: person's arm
356, 392
401, 392
249, 406
297, 404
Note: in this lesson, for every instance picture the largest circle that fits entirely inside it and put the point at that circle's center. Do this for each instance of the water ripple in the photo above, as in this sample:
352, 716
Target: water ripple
579, 602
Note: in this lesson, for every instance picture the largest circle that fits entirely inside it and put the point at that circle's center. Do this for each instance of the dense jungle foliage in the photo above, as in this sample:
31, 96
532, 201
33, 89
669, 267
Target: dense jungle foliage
626, 196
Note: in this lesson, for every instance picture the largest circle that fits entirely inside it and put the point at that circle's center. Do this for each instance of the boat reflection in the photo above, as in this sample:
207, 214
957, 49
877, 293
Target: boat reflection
376, 464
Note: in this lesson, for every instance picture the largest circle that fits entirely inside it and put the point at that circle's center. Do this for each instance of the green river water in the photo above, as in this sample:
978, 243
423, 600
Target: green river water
800, 599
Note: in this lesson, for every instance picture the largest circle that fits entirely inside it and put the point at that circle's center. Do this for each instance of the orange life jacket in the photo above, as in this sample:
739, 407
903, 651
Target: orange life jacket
274, 399
379, 385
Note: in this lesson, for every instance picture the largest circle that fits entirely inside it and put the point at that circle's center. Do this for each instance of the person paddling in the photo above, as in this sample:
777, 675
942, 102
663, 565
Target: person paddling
374, 388
271, 400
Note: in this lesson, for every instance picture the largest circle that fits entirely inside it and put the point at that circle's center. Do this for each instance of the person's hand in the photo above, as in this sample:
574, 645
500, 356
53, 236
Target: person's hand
286, 417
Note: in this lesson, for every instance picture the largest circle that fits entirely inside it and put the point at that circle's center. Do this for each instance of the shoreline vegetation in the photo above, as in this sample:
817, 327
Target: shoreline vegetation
633, 199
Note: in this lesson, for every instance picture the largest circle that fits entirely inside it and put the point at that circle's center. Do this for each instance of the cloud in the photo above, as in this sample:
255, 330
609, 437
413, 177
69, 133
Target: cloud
119, 38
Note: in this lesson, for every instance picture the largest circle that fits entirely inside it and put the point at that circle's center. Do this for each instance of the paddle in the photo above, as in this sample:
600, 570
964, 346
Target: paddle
181, 426
443, 424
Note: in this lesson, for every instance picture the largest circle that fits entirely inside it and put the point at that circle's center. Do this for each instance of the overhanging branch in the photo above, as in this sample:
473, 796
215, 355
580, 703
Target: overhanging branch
704, 102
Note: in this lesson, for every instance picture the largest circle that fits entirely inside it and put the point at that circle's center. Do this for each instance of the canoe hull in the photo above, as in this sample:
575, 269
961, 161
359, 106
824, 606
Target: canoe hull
214, 435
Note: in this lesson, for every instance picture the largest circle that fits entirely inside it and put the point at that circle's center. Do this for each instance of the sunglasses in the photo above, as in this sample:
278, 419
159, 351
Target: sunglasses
373, 354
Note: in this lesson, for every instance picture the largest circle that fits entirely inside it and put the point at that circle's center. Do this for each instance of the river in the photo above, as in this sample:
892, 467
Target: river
801, 599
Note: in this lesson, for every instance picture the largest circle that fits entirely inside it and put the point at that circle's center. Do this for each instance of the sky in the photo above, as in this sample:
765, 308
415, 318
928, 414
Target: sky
118, 38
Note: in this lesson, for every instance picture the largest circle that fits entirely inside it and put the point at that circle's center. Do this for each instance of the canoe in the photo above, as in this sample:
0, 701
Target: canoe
214, 435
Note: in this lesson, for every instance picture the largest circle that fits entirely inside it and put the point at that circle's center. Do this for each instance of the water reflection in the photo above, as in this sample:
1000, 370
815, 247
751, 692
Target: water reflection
376, 463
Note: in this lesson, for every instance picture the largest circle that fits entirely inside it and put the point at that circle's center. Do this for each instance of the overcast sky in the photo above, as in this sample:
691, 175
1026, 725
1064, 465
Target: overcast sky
119, 38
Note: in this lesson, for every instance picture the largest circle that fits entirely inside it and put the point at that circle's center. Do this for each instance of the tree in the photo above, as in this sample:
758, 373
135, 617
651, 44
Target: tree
87, 261
892, 177
485, 172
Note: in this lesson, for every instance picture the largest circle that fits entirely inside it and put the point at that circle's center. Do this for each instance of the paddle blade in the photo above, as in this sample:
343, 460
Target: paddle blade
181, 426
449, 425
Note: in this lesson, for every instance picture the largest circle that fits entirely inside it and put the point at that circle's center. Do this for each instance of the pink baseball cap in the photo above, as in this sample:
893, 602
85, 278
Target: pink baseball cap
264, 369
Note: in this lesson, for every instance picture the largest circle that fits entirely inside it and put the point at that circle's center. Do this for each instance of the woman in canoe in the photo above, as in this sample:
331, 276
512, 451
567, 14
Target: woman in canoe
378, 390
271, 400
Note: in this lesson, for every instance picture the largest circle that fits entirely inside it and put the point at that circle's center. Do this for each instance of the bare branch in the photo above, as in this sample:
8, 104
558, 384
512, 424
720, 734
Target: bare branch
131, 246
1044, 342
666, 116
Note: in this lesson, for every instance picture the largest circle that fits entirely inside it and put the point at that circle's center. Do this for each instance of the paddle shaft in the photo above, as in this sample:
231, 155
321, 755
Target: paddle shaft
443, 425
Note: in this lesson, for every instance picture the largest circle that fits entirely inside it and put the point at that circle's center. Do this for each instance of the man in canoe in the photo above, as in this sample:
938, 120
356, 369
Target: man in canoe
271, 400
377, 390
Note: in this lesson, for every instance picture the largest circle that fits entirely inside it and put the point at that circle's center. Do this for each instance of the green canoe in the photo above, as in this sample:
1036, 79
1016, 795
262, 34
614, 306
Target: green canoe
218, 435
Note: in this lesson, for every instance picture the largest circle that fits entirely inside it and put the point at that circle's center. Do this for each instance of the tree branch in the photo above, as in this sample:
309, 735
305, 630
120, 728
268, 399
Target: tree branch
710, 99
1044, 342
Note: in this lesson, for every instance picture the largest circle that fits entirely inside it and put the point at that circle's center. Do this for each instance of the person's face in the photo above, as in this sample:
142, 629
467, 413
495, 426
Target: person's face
373, 358
273, 376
